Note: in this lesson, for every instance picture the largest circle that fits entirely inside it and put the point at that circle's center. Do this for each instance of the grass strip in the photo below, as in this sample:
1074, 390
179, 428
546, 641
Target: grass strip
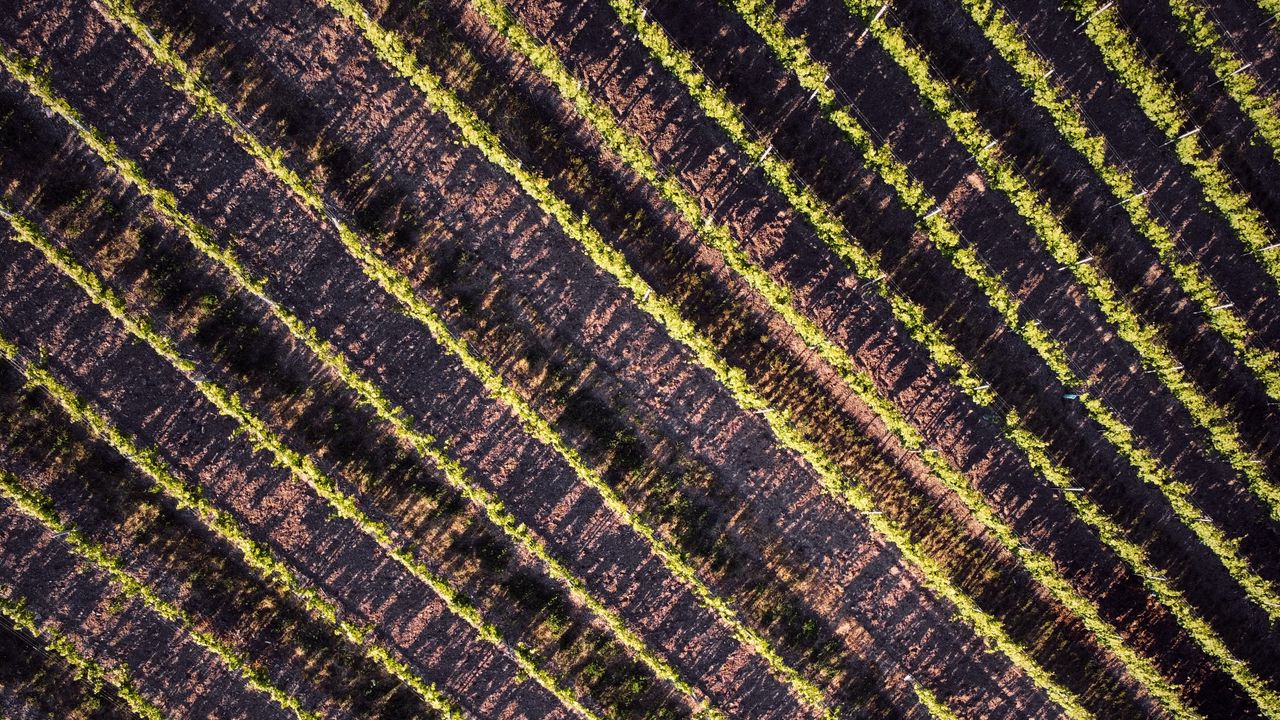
41, 509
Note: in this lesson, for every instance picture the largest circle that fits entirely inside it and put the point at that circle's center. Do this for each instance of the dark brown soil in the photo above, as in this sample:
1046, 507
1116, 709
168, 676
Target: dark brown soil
169, 669
1223, 123
274, 508
114, 506
803, 569
36, 683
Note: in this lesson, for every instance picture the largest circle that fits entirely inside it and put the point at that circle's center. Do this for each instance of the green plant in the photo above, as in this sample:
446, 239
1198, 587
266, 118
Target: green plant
231, 405
399, 287
633, 152
390, 47
256, 555
87, 669
41, 508
1160, 102
1242, 86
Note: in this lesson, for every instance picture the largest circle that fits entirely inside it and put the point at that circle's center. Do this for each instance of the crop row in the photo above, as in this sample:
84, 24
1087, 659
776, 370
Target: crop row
1231, 71
1036, 74
301, 466
680, 328
37, 681
118, 508
256, 555
424, 444
399, 287
367, 236
913, 195
41, 509
977, 140
1161, 104
90, 670
1272, 8
778, 297
695, 536
785, 401
1222, 431
716, 107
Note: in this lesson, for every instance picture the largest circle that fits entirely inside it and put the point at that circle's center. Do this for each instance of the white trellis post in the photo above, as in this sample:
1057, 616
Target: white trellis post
874, 18
1095, 14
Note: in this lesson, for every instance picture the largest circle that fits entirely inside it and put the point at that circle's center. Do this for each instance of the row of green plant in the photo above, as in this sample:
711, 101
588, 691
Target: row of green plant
426, 445
1270, 7
1161, 104
396, 284
45, 448
966, 126
41, 508
302, 467
613, 440
189, 496
42, 684
402, 289
393, 51
632, 151
714, 103
1036, 75
1242, 86
936, 226
91, 671
718, 236
1223, 432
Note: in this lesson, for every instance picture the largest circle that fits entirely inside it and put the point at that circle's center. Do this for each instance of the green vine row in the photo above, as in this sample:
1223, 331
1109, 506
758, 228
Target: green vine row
392, 50
964, 258
718, 236
41, 508
86, 668
397, 285
257, 555
1243, 87
1162, 106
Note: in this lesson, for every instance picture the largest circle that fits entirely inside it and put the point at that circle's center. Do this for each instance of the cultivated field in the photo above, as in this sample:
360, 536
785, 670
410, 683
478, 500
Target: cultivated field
640, 359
